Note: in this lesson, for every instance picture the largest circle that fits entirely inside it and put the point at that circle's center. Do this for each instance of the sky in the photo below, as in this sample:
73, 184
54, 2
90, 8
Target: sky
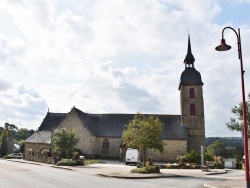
118, 56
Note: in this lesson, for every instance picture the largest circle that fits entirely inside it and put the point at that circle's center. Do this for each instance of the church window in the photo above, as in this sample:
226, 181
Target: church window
192, 109
191, 93
105, 144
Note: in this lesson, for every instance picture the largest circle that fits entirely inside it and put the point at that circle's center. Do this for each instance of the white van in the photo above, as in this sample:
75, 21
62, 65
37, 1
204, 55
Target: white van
132, 156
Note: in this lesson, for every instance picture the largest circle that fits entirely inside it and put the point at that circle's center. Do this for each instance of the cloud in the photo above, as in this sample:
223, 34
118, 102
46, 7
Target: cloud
19, 103
4, 85
114, 57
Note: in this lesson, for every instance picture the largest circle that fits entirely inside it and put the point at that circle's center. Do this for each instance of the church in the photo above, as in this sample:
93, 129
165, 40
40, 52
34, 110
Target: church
101, 134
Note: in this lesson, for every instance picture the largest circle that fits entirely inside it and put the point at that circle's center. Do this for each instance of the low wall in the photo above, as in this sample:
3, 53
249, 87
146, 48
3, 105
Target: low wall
40, 159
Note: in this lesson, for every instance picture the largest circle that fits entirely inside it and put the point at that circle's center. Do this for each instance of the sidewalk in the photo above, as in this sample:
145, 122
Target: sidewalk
117, 169
227, 184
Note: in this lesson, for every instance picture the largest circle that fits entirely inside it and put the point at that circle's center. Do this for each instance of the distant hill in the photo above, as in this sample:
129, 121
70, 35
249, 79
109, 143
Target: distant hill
229, 141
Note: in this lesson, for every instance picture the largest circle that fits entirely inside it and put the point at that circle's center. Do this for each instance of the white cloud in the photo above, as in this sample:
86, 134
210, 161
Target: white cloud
114, 57
21, 106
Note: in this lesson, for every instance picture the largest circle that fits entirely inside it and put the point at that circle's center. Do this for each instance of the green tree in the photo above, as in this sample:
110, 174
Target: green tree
143, 133
4, 143
65, 140
11, 129
21, 134
1, 130
10, 126
21, 144
236, 123
217, 148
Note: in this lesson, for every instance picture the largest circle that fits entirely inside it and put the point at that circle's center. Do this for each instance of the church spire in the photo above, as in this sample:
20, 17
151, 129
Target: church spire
189, 60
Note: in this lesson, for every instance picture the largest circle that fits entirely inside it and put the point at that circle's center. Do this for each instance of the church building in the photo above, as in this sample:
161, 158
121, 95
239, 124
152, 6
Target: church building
101, 134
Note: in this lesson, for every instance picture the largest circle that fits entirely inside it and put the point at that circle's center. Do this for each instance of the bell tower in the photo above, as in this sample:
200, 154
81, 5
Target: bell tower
192, 105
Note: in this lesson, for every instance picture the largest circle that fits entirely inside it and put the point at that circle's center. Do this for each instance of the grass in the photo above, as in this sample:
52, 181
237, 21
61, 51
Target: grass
91, 161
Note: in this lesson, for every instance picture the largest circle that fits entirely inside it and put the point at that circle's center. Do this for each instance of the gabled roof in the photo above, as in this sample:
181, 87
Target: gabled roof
40, 137
44, 132
51, 121
106, 125
112, 125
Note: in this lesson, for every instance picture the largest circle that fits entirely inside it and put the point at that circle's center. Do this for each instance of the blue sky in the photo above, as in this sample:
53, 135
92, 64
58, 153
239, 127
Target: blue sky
118, 57
235, 12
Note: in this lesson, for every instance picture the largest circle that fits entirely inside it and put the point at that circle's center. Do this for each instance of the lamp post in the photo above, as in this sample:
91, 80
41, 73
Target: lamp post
224, 47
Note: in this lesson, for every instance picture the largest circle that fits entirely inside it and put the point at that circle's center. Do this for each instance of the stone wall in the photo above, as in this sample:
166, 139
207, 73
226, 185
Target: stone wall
113, 151
86, 139
35, 147
195, 124
172, 149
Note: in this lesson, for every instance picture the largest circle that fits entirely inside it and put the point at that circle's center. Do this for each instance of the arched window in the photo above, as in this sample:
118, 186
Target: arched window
191, 93
105, 144
192, 109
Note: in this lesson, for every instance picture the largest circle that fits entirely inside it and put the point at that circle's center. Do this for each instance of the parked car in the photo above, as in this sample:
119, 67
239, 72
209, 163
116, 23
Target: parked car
15, 156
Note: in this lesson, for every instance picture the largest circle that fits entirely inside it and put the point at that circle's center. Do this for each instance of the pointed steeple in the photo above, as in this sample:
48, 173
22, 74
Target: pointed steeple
190, 76
189, 60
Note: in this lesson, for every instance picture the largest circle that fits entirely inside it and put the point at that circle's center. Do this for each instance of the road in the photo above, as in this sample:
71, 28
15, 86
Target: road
23, 175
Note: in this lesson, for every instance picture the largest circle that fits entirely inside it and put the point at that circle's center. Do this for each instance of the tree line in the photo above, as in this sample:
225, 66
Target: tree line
10, 135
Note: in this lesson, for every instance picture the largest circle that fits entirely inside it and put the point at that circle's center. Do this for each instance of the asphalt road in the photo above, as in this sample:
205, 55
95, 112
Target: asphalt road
23, 175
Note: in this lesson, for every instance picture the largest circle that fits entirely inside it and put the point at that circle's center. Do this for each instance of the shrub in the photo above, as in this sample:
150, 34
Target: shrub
88, 162
193, 157
147, 169
149, 161
208, 157
69, 162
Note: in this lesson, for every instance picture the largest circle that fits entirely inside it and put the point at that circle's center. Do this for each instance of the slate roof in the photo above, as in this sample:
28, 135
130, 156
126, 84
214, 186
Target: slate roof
190, 76
51, 121
44, 132
106, 125
41, 137
112, 125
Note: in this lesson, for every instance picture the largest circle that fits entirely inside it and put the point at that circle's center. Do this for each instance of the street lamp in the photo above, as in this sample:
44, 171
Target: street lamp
224, 47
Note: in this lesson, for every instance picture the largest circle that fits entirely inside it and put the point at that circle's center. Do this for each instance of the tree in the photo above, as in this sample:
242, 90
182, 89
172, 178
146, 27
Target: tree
21, 144
21, 134
143, 133
4, 143
236, 124
11, 131
217, 148
10, 126
1, 130
65, 140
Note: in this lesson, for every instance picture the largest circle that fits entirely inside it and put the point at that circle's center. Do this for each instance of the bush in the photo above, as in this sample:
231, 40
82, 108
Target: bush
208, 157
147, 169
88, 162
69, 162
193, 157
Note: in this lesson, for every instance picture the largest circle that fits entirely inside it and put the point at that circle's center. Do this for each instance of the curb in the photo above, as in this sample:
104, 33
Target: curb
29, 162
216, 172
61, 167
143, 176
